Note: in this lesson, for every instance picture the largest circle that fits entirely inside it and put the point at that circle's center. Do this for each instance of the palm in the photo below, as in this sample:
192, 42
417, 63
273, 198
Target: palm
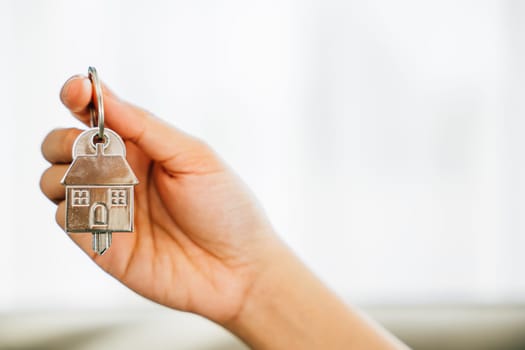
177, 254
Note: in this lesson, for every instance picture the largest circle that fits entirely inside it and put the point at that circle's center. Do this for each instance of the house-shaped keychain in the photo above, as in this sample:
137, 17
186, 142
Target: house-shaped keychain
99, 182
99, 187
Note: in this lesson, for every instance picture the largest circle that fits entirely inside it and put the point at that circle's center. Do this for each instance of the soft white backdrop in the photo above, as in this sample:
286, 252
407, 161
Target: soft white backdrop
383, 138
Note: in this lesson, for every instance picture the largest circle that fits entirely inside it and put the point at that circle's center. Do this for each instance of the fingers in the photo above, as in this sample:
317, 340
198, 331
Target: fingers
61, 214
174, 149
50, 182
58, 144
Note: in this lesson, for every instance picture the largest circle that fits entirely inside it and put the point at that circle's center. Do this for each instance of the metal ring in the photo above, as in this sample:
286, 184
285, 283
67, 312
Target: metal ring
105, 138
97, 103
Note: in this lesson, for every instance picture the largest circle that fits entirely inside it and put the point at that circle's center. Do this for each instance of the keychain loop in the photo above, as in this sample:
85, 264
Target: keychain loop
97, 103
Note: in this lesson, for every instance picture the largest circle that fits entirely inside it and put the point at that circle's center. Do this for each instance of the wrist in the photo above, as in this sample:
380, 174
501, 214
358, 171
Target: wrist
288, 307
262, 304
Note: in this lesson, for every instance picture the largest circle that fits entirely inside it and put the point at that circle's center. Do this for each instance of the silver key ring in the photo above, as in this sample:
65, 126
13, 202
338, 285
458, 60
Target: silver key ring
97, 105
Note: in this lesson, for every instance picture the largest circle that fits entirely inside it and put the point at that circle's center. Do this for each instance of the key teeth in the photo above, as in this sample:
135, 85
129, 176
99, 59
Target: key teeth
101, 241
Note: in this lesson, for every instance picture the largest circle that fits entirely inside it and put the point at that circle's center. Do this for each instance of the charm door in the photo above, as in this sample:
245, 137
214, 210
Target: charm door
98, 216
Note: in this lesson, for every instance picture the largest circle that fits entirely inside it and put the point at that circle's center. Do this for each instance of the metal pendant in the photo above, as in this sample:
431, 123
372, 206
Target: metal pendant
99, 182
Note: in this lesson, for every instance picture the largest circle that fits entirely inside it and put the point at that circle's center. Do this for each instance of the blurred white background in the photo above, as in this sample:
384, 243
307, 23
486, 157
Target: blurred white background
383, 138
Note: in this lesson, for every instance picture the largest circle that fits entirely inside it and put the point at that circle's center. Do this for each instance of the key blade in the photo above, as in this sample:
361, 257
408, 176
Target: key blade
101, 241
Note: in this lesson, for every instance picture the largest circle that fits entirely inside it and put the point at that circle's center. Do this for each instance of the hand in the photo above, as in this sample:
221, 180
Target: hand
201, 242
199, 233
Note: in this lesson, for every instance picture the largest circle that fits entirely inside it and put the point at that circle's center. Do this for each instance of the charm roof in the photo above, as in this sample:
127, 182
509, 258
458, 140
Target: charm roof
100, 169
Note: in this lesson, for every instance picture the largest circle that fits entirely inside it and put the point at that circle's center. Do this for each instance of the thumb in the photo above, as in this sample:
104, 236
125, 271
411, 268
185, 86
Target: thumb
175, 150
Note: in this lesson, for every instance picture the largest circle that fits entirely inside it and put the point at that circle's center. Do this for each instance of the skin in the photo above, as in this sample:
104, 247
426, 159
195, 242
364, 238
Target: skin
202, 243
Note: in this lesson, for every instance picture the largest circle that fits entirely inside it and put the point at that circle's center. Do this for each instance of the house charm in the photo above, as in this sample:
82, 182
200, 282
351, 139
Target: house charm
99, 188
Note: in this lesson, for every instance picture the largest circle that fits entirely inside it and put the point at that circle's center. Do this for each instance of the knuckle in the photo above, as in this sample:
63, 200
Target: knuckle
201, 147
202, 156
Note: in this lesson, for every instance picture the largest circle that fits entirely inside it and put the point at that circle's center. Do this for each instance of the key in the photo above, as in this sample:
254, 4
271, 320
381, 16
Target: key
99, 188
99, 183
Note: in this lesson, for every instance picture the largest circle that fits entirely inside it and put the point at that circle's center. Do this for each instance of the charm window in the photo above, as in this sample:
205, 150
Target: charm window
118, 197
80, 198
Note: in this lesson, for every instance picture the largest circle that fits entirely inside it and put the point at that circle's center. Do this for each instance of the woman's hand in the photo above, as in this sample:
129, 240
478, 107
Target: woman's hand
199, 233
201, 243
